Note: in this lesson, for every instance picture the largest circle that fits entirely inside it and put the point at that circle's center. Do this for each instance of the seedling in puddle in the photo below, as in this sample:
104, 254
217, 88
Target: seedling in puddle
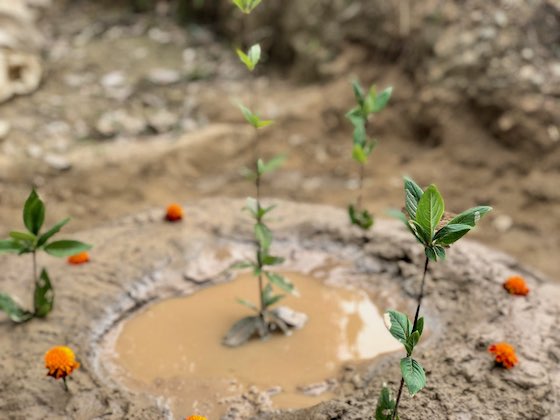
368, 103
425, 218
31, 242
265, 319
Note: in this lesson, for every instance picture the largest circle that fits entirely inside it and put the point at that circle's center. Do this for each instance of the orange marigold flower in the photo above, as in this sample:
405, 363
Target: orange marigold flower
61, 362
174, 213
81, 258
505, 354
196, 418
516, 285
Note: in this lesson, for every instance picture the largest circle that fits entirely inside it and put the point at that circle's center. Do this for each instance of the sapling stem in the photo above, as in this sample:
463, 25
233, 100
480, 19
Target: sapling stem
259, 219
65, 385
420, 297
34, 256
360, 188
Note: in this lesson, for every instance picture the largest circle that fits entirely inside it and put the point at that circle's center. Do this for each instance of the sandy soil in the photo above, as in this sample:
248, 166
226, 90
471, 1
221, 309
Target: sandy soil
141, 259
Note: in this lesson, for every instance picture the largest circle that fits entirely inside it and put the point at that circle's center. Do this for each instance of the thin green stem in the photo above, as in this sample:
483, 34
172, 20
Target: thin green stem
360, 188
65, 384
259, 220
420, 297
34, 255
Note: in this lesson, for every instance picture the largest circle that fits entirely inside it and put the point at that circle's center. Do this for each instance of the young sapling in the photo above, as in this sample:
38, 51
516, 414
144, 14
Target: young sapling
265, 319
31, 242
368, 103
424, 216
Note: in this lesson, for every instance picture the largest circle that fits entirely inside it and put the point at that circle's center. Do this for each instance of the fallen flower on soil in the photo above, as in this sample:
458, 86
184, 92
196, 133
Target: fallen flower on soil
516, 285
505, 354
196, 418
174, 213
81, 258
61, 362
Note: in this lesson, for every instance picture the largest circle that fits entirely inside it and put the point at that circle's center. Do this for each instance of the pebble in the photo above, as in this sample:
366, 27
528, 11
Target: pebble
503, 223
58, 162
163, 76
4, 129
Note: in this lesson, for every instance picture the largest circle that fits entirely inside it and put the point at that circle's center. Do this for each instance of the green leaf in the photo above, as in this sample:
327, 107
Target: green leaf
271, 260
451, 233
252, 58
420, 326
253, 119
385, 405
65, 248
430, 210
413, 374
471, 216
263, 235
440, 252
420, 232
23, 236
248, 304
413, 340
280, 281
51, 232
398, 325
43, 297
10, 245
358, 93
363, 219
268, 298
252, 206
430, 253
246, 6
412, 195
15, 312
382, 99
271, 165
358, 154
33, 213
241, 265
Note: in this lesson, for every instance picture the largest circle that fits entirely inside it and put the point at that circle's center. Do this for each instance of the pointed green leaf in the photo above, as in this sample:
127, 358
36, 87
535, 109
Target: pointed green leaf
248, 304
385, 405
430, 210
430, 253
280, 281
13, 310
471, 216
382, 99
412, 195
420, 325
10, 245
241, 265
263, 235
358, 92
23, 236
51, 232
271, 260
43, 297
398, 325
272, 164
65, 248
33, 213
451, 233
440, 252
413, 375
358, 154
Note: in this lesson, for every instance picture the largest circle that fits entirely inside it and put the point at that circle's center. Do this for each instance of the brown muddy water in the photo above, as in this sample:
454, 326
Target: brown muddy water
172, 349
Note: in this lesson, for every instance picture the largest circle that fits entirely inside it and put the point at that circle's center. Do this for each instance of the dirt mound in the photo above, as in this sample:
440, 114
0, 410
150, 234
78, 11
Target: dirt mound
140, 259
500, 59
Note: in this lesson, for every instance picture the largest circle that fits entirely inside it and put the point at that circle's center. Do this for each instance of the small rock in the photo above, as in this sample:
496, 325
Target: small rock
113, 79
162, 76
113, 122
162, 120
503, 223
313, 390
35, 151
57, 162
4, 129
293, 318
188, 276
159, 35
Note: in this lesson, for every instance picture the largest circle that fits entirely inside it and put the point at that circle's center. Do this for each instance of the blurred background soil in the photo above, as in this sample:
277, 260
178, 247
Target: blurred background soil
136, 108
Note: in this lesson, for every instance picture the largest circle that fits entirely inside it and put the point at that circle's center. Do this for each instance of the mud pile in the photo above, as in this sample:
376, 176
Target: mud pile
141, 259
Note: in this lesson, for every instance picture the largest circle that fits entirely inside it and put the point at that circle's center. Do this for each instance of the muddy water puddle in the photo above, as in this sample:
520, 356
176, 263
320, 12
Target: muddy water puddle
173, 348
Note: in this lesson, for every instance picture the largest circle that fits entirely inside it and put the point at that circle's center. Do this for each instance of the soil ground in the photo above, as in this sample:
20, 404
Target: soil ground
96, 172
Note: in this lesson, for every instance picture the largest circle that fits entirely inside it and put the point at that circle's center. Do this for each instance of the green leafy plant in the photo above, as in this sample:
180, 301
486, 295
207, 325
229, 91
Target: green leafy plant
31, 242
368, 103
246, 6
424, 216
265, 319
